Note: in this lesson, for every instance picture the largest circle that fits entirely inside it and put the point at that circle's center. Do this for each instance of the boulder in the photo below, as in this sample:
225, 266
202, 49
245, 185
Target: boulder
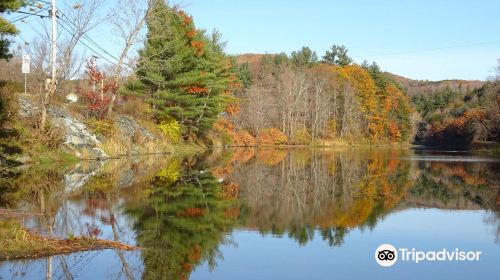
130, 127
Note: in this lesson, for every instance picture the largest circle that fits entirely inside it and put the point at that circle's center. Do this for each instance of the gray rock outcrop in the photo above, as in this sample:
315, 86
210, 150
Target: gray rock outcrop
76, 134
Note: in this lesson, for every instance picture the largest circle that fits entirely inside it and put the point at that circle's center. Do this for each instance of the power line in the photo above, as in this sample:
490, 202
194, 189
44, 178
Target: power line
72, 26
46, 2
29, 14
101, 56
433, 49
85, 36
90, 48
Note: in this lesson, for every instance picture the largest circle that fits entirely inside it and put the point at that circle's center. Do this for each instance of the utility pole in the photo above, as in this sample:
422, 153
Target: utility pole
54, 47
52, 86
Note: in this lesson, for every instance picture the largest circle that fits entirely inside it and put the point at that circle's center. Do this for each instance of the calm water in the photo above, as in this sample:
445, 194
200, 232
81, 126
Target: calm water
265, 214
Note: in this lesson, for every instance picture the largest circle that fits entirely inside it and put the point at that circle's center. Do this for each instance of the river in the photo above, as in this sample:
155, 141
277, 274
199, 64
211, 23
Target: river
301, 213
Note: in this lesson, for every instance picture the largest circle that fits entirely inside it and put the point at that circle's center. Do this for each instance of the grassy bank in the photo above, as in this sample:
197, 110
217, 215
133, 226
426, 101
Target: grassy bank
486, 148
18, 243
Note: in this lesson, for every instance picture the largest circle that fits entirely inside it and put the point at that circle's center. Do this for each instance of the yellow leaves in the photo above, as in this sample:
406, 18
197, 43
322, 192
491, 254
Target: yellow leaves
171, 129
332, 127
171, 172
341, 72
387, 104
271, 157
364, 85
356, 215
376, 127
378, 106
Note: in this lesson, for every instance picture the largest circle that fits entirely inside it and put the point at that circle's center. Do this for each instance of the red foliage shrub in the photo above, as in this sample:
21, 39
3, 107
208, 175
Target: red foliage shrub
223, 125
98, 95
233, 109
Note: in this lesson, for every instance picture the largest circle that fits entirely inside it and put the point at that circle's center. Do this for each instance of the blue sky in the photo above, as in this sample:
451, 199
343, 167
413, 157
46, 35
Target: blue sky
410, 38
419, 39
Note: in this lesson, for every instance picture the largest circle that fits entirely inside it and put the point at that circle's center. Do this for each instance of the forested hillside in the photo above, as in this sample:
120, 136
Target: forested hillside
300, 99
416, 87
451, 113
458, 118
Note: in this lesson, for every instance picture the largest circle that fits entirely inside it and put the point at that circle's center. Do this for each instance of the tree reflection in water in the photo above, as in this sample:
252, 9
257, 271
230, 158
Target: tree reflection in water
181, 210
297, 191
193, 207
182, 223
307, 190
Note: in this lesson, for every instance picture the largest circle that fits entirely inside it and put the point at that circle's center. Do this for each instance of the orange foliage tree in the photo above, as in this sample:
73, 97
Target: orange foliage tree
271, 136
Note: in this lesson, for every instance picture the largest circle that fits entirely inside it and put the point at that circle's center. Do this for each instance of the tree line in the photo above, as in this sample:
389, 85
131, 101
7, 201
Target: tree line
309, 100
459, 117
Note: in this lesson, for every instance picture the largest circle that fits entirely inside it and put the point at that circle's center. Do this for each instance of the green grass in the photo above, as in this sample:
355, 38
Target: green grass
55, 157
18, 242
187, 149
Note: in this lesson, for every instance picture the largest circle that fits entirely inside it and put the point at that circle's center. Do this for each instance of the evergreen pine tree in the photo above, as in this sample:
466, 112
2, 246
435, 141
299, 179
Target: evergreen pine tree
187, 73
7, 28
337, 55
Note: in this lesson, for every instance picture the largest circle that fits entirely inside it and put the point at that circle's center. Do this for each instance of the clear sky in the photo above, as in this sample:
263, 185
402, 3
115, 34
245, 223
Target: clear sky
410, 38
419, 39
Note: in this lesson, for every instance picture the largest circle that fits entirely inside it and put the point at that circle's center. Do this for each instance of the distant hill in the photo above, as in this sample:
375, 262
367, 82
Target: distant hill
413, 87
252, 59
410, 86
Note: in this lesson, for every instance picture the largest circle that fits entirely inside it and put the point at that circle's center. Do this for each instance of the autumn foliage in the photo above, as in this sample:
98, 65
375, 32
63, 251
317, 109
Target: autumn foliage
99, 92
271, 136
311, 101
458, 130
385, 108
238, 138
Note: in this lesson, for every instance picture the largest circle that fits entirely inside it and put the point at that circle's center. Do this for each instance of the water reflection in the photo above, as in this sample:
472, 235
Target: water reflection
337, 191
183, 221
333, 192
183, 211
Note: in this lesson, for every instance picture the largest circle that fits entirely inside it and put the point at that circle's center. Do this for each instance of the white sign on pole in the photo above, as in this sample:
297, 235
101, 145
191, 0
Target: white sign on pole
26, 64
